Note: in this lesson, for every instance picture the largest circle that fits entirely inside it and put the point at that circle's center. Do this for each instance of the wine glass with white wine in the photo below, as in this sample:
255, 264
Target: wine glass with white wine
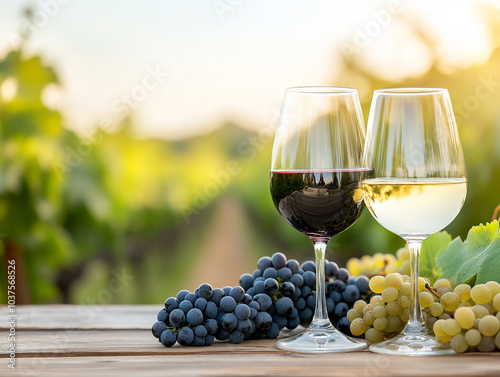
418, 186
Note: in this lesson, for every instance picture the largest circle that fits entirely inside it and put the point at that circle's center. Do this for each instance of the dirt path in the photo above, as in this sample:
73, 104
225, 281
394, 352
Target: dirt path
225, 255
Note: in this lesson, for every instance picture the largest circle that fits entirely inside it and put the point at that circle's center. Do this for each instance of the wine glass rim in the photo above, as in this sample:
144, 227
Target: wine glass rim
411, 91
332, 90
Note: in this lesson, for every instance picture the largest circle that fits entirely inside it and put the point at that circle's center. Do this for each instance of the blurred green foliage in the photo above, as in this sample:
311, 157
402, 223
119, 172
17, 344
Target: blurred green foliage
76, 212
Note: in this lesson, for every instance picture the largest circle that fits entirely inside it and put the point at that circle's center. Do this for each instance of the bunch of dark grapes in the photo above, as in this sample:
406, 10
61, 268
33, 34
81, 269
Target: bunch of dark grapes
196, 319
276, 286
292, 290
280, 293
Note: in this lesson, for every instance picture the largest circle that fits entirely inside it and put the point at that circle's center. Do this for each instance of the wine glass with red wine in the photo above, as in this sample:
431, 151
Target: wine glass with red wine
316, 172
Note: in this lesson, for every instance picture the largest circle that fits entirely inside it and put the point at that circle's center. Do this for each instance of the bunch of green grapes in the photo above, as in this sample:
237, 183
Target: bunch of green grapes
386, 314
380, 264
466, 317
475, 324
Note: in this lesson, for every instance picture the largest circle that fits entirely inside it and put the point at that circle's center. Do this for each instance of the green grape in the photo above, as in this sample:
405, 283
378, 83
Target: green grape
465, 318
390, 294
377, 284
430, 323
444, 316
406, 278
403, 254
355, 266
368, 318
442, 283
481, 294
421, 284
368, 264
496, 302
394, 280
359, 305
391, 269
489, 307
443, 339
436, 309
393, 308
405, 267
473, 337
375, 300
494, 287
451, 327
404, 316
374, 336
438, 328
383, 259
487, 344
442, 290
358, 327
450, 301
497, 340
489, 325
380, 323
403, 301
458, 343
405, 290
352, 314
393, 324
368, 308
463, 291
480, 311
426, 299
465, 304
379, 311
401, 328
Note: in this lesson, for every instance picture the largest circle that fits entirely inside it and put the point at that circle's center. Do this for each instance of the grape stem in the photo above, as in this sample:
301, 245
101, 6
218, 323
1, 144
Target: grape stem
495, 213
430, 289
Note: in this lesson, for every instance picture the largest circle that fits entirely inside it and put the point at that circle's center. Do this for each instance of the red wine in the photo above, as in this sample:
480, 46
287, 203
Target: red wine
319, 203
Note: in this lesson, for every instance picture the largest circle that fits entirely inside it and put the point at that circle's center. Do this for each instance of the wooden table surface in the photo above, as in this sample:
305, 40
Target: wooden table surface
61, 340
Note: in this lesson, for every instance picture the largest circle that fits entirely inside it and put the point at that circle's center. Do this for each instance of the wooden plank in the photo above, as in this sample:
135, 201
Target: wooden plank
88, 352
53, 343
241, 364
60, 340
41, 317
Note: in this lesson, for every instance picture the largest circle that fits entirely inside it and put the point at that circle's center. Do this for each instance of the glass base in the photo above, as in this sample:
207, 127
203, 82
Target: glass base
412, 345
321, 341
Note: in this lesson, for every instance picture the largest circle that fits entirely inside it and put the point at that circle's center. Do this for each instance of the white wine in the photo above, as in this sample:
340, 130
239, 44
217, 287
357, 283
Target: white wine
414, 207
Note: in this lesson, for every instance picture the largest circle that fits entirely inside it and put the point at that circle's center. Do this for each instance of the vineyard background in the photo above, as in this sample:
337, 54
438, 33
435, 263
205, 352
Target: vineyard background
77, 210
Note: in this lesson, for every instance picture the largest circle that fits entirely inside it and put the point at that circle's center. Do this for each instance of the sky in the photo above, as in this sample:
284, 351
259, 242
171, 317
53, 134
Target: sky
185, 66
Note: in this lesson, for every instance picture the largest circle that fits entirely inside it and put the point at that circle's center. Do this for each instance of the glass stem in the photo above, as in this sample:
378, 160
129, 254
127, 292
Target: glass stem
415, 325
320, 319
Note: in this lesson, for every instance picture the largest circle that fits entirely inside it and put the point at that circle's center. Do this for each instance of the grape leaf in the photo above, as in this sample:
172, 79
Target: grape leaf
431, 249
475, 260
